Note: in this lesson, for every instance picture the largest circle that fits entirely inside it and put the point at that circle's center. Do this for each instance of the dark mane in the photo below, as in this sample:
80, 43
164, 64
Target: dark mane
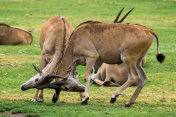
142, 26
63, 44
3, 24
64, 41
88, 22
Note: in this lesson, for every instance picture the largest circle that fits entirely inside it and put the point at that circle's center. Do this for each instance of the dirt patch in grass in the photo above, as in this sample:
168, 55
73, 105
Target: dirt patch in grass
14, 98
12, 115
12, 59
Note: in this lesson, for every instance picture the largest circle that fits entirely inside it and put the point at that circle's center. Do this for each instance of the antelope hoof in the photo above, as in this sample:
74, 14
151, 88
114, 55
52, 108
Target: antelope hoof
40, 100
33, 100
128, 104
54, 99
85, 101
107, 83
113, 100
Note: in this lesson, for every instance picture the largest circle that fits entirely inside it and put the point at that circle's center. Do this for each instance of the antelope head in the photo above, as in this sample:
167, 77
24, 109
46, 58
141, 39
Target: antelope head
63, 83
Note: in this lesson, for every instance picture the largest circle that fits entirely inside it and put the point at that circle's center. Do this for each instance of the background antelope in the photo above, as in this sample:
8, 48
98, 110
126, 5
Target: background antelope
112, 74
14, 36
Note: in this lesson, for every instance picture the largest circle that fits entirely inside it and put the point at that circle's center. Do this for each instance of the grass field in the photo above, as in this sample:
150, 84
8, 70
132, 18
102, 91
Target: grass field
158, 97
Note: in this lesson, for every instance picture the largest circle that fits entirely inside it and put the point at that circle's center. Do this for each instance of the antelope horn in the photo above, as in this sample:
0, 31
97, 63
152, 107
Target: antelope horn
118, 16
51, 86
37, 69
52, 76
125, 16
59, 83
55, 85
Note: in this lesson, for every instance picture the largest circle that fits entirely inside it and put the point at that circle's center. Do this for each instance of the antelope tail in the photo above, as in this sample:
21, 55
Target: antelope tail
160, 57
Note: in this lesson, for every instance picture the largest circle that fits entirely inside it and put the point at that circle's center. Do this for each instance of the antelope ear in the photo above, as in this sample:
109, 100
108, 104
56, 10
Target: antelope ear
37, 69
52, 76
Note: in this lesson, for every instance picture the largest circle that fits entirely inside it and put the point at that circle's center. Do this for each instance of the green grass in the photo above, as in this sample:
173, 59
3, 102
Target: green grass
158, 97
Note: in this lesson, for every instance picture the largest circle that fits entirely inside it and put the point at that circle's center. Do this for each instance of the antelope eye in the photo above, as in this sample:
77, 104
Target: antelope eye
36, 80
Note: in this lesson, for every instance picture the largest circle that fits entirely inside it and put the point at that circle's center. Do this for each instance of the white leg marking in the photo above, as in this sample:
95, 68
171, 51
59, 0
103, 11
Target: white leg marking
113, 96
33, 100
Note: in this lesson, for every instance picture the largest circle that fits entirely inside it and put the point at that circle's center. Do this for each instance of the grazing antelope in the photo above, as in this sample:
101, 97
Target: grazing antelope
14, 36
112, 74
53, 38
111, 43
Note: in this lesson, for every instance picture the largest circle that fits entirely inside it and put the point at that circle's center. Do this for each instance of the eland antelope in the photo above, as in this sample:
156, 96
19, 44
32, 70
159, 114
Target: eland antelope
14, 36
53, 38
111, 43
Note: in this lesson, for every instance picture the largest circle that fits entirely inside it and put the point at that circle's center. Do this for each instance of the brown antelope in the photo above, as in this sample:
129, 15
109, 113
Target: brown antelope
14, 36
111, 43
112, 74
53, 38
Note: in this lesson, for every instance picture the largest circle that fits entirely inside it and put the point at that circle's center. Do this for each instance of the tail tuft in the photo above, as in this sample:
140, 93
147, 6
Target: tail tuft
160, 57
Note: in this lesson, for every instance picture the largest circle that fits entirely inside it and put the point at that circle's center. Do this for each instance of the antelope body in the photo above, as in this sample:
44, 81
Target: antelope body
53, 38
112, 74
110, 43
14, 36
